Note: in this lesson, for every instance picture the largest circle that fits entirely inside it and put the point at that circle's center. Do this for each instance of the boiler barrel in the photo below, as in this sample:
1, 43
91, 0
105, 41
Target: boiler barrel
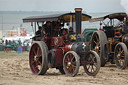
81, 48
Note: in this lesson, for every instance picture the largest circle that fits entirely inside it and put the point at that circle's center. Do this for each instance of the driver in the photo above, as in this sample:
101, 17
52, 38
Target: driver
47, 28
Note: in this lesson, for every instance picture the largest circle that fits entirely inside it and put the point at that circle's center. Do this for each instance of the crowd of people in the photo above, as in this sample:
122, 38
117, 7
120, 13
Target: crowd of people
13, 45
49, 29
9, 42
55, 29
52, 29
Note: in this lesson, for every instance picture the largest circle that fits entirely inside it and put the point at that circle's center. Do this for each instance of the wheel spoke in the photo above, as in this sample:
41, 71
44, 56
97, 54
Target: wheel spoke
92, 69
34, 51
95, 65
39, 57
66, 63
98, 44
66, 66
69, 69
95, 42
73, 65
97, 38
70, 55
73, 62
87, 62
36, 65
119, 60
121, 51
40, 54
88, 67
73, 69
68, 58
72, 58
38, 51
39, 63
118, 50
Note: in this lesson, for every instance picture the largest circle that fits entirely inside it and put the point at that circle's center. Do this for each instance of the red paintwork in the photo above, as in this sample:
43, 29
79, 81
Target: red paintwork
59, 47
46, 39
57, 41
67, 47
59, 57
100, 30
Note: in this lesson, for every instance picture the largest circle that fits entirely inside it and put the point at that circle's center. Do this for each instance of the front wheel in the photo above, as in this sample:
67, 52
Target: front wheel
71, 63
92, 65
121, 56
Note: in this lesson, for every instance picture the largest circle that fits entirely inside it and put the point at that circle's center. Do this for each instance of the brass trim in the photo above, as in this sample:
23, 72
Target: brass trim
78, 9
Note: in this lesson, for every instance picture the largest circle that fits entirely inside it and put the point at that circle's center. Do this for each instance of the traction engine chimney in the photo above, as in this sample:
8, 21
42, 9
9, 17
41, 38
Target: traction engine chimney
78, 21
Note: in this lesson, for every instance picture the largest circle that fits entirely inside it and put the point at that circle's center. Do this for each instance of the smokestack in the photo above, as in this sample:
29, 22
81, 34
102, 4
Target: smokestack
78, 21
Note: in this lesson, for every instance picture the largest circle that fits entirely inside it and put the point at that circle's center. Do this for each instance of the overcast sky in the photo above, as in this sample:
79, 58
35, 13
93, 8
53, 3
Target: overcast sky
61, 5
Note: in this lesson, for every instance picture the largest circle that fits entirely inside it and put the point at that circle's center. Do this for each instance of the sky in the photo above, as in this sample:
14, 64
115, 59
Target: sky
61, 5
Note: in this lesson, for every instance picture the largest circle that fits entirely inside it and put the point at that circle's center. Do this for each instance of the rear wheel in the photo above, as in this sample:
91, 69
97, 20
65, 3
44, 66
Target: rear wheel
92, 65
71, 63
97, 44
121, 56
38, 58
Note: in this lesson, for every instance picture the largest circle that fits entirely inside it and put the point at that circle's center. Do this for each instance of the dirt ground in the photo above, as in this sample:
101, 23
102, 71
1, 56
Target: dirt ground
14, 70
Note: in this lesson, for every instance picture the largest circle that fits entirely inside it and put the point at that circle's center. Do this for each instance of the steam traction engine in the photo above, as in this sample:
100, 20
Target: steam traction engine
111, 41
59, 51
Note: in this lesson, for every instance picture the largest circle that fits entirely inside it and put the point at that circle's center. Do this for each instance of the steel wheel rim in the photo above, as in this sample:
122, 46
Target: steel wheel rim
120, 57
96, 43
91, 65
70, 63
35, 59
